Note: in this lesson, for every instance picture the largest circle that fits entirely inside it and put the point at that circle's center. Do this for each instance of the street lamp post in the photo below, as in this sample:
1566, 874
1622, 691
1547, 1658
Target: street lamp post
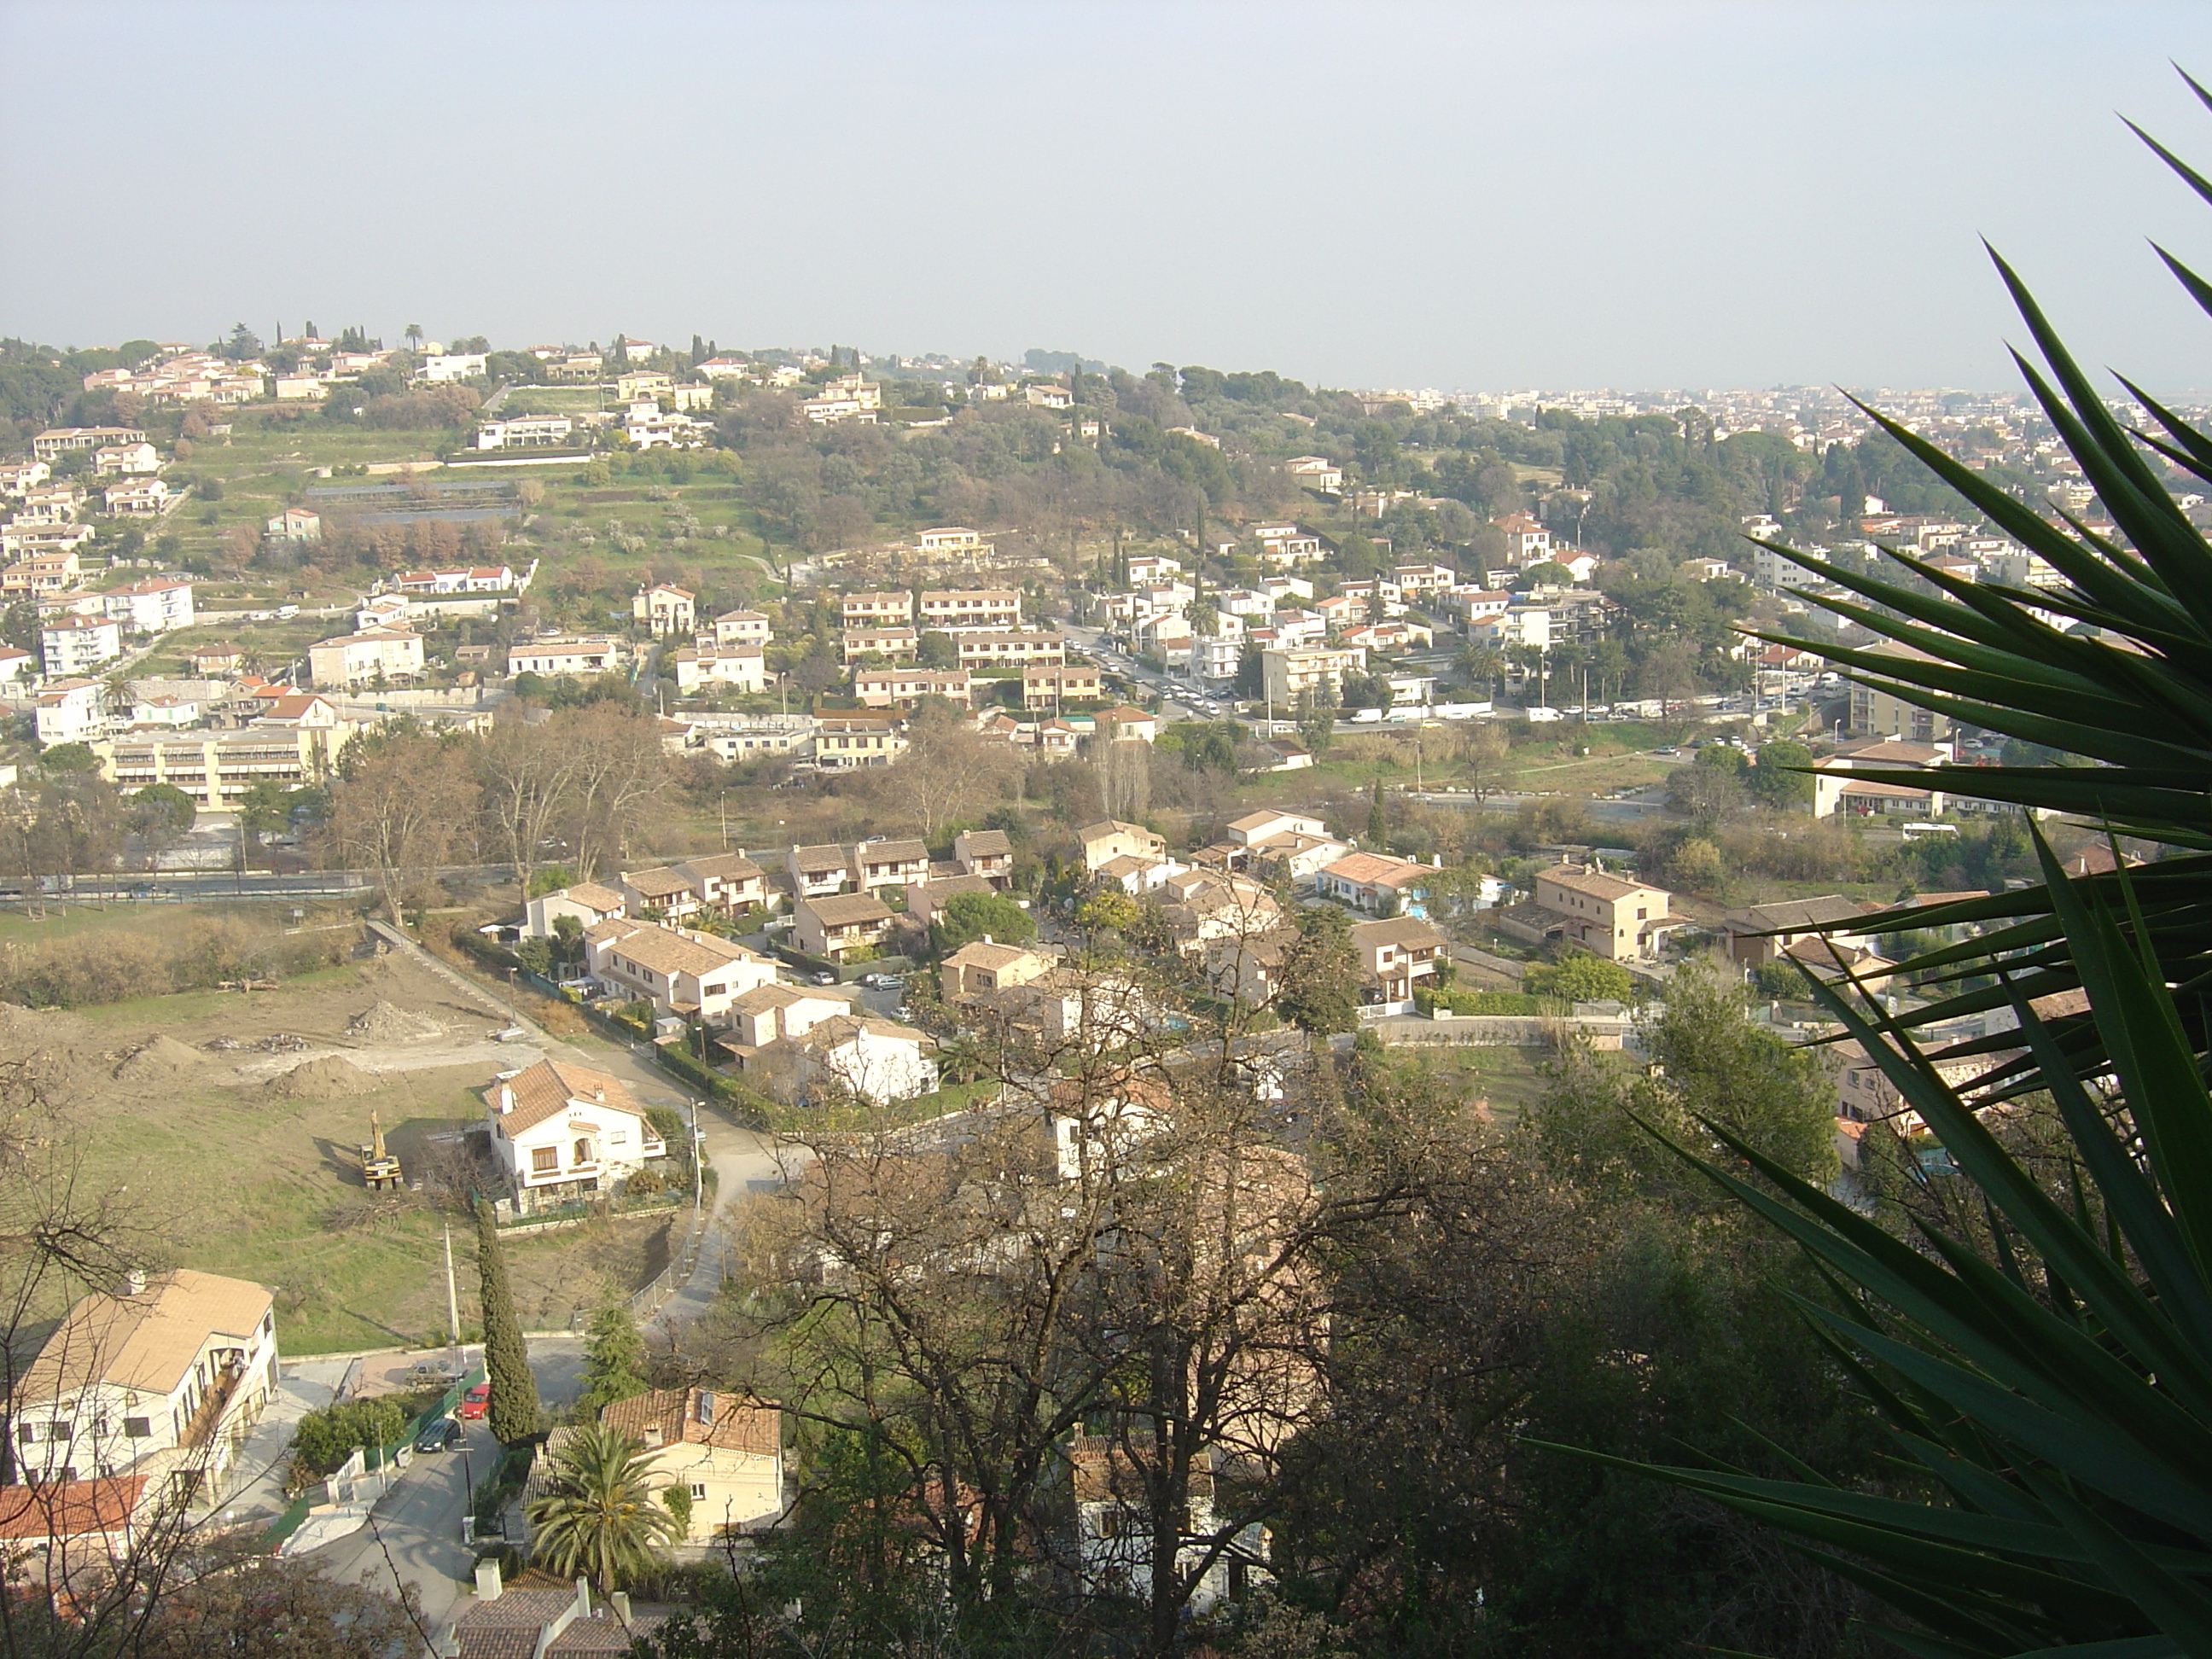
697, 1180
468, 1493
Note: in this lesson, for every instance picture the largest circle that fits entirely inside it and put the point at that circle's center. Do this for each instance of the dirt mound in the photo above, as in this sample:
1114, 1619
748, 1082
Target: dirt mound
326, 1078
162, 1057
382, 1022
57, 1044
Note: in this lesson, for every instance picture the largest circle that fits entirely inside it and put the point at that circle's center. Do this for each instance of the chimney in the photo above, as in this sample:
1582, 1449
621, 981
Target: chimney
651, 1437
134, 1282
599, 1095
506, 1100
489, 1588
620, 1602
583, 1596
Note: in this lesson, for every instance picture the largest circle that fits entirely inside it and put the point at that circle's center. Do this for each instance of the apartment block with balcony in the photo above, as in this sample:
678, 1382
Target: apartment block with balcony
162, 1377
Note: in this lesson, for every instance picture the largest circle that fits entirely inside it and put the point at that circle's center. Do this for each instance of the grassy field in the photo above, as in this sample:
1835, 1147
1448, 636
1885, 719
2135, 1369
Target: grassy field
1506, 1080
221, 1163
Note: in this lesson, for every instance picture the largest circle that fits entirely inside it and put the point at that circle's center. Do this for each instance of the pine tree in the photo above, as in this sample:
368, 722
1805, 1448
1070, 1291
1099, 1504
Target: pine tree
613, 1358
513, 1411
1378, 820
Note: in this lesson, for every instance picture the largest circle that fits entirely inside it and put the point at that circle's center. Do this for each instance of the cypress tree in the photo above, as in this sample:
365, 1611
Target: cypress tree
1378, 821
513, 1411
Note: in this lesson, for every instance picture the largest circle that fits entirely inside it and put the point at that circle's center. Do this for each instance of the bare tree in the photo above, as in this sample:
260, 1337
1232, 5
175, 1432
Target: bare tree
1110, 1268
1482, 751
616, 779
528, 774
948, 773
399, 808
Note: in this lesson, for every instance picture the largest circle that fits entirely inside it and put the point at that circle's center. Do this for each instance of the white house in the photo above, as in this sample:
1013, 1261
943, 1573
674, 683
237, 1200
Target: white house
742, 627
679, 971
739, 668
76, 645
137, 460
70, 711
358, 659
525, 431
878, 1059
152, 604
586, 655
147, 497
451, 366
1114, 1524
768, 1013
587, 902
648, 428
561, 1132
293, 524
665, 608
163, 1378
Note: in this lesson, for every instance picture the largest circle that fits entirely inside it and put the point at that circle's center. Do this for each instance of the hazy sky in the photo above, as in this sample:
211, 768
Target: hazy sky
1462, 196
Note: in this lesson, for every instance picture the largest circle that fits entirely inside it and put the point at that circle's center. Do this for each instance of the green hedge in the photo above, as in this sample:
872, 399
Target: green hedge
483, 950
1486, 1002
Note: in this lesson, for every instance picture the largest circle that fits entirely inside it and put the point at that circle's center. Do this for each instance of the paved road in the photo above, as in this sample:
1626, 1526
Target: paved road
415, 1532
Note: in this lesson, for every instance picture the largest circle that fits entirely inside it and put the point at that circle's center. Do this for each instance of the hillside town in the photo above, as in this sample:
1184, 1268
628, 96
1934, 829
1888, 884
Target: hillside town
850, 905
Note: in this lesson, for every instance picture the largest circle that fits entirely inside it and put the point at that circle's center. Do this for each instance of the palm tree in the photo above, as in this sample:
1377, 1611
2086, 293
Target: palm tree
2052, 1386
602, 1519
414, 333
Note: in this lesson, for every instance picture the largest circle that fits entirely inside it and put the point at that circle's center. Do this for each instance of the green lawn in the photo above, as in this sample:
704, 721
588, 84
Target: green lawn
1509, 1079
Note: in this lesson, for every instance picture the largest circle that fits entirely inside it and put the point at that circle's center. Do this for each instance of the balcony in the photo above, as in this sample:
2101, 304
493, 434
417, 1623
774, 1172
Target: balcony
207, 1417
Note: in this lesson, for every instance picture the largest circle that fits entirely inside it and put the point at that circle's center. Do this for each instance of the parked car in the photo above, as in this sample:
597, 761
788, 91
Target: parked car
871, 981
475, 1402
433, 1370
439, 1435
825, 978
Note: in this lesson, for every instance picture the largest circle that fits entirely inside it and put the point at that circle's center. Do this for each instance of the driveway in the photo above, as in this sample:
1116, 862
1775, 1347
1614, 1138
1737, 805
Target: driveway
414, 1534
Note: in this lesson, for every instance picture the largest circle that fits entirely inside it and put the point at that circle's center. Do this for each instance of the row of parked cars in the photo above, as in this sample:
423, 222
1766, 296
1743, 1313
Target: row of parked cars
447, 1432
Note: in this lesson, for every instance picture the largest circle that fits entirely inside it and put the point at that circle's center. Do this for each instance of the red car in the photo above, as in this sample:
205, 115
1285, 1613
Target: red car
474, 1401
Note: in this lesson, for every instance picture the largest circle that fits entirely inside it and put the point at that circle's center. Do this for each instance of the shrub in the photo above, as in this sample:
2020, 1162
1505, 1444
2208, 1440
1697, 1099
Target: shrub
1481, 1002
325, 1439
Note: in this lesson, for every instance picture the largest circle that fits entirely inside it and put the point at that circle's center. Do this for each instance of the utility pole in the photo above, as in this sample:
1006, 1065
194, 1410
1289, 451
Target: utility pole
697, 1153
453, 1296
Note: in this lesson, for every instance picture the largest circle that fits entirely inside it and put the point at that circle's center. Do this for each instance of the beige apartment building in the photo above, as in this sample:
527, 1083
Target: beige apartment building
966, 609
1610, 916
1285, 673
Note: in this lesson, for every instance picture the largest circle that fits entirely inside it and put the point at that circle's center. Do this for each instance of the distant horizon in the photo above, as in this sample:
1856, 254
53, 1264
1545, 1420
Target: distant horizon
1706, 192
1655, 394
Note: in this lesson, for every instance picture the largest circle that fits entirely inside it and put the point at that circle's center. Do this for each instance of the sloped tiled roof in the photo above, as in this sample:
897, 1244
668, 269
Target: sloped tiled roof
1375, 869
701, 1416
1593, 883
590, 893
146, 1341
667, 951
890, 852
545, 1090
983, 953
1795, 915
660, 883
69, 1509
842, 909
725, 866
1398, 930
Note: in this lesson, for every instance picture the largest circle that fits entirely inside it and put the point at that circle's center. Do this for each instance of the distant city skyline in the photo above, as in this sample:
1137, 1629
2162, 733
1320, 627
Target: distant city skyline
1481, 197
